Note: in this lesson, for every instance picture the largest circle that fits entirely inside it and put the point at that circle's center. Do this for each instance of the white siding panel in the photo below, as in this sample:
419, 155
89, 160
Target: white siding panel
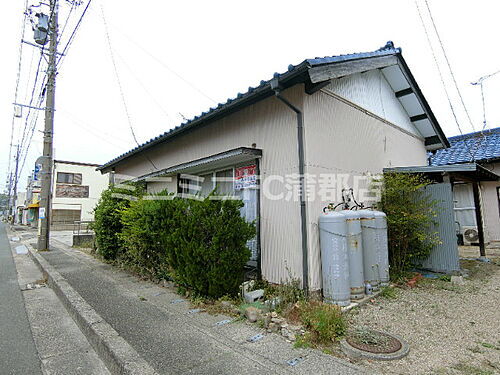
371, 91
344, 140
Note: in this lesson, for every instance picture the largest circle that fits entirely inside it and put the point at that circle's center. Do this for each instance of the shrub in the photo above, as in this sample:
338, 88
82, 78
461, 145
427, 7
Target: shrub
206, 247
410, 219
107, 221
200, 244
324, 322
145, 223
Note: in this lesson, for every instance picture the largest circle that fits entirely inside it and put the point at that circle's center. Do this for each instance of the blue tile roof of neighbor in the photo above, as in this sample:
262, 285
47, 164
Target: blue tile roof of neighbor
485, 146
293, 75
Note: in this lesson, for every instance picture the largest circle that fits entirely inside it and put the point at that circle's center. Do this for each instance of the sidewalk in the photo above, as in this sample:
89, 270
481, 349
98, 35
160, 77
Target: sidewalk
173, 340
59, 345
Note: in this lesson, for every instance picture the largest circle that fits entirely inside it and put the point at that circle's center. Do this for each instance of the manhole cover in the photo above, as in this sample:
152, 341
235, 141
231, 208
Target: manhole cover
373, 341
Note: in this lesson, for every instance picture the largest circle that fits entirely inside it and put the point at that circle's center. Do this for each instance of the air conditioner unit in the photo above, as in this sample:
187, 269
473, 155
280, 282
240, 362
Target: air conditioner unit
471, 235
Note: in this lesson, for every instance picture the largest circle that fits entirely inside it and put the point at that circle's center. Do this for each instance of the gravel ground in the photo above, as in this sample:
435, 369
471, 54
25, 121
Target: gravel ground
451, 329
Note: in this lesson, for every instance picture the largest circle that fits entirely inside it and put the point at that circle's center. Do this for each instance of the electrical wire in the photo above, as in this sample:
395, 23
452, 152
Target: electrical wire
23, 30
72, 36
449, 65
441, 77
165, 65
122, 94
158, 104
66, 22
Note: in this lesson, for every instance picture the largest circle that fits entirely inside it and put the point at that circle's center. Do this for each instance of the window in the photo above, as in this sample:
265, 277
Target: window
189, 184
69, 178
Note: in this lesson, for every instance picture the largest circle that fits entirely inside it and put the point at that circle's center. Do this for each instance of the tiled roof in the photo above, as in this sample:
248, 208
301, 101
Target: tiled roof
484, 146
294, 74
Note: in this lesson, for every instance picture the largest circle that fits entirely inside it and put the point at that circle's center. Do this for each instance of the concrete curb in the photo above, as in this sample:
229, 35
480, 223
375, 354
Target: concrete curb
353, 352
116, 353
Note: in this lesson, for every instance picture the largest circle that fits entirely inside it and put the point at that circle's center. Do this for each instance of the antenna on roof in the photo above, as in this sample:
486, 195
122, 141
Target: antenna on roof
480, 83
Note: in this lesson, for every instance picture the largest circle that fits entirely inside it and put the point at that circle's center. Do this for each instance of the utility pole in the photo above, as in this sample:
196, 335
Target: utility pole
46, 173
14, 192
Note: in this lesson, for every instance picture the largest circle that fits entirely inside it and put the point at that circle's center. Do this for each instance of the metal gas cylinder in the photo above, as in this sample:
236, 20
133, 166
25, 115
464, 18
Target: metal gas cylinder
355, 252
334, 258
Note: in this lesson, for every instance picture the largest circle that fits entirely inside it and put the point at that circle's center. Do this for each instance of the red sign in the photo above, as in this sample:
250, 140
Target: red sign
245, 177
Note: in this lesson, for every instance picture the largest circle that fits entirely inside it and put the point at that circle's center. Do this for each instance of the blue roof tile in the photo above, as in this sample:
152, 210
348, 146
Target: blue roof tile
477, 146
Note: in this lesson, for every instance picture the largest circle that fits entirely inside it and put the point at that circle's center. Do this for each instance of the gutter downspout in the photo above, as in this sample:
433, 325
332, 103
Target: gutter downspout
300, 145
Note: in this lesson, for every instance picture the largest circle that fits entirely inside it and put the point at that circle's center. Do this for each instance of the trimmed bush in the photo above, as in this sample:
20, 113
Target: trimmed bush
107, 221
200, 244
207, 245
146, 227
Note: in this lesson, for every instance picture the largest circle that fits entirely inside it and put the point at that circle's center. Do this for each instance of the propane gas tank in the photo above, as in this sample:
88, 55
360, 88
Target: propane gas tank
334, 258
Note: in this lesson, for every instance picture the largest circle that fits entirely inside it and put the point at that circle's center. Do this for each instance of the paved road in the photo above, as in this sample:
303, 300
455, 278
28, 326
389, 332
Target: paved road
18, 354
174, 341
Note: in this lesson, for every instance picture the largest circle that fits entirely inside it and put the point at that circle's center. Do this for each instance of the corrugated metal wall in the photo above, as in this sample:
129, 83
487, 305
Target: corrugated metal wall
490, 206
444, 257
341, 139
371, 91
273, 128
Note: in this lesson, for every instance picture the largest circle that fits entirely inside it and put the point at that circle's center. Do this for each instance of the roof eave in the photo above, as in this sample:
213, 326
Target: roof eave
416, 89
287, 80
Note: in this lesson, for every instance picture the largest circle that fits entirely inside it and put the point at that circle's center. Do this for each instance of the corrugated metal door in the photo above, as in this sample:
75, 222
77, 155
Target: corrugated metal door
444, 257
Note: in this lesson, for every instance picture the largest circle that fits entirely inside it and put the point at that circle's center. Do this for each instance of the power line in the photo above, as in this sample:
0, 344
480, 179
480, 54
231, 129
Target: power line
122, 94
72, 36
449, 66
23, 29
153, 98
165, 66
66, 22
441, 76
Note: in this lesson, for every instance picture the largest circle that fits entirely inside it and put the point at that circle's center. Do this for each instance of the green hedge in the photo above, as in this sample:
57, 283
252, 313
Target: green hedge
107, 220
200, 244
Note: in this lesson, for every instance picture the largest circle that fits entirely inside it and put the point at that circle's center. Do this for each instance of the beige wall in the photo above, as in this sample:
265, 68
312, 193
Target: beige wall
342, 139
339, 139
490, 206
273, 128
90, 177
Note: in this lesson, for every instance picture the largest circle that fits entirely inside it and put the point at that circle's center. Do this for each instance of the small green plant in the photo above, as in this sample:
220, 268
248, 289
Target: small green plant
324, 322
302, 342
388, 292
410, 219
286, 294
445, 278
489, 346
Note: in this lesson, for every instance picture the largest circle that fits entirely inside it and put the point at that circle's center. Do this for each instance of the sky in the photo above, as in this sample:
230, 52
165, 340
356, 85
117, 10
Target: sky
147, 65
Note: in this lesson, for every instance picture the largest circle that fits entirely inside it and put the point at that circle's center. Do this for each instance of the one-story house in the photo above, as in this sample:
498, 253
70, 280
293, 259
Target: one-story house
482, 147
290, 145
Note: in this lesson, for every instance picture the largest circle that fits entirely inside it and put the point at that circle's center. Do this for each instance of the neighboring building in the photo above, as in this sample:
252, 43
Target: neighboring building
336, 119
20, 208
483, 147
76, 190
